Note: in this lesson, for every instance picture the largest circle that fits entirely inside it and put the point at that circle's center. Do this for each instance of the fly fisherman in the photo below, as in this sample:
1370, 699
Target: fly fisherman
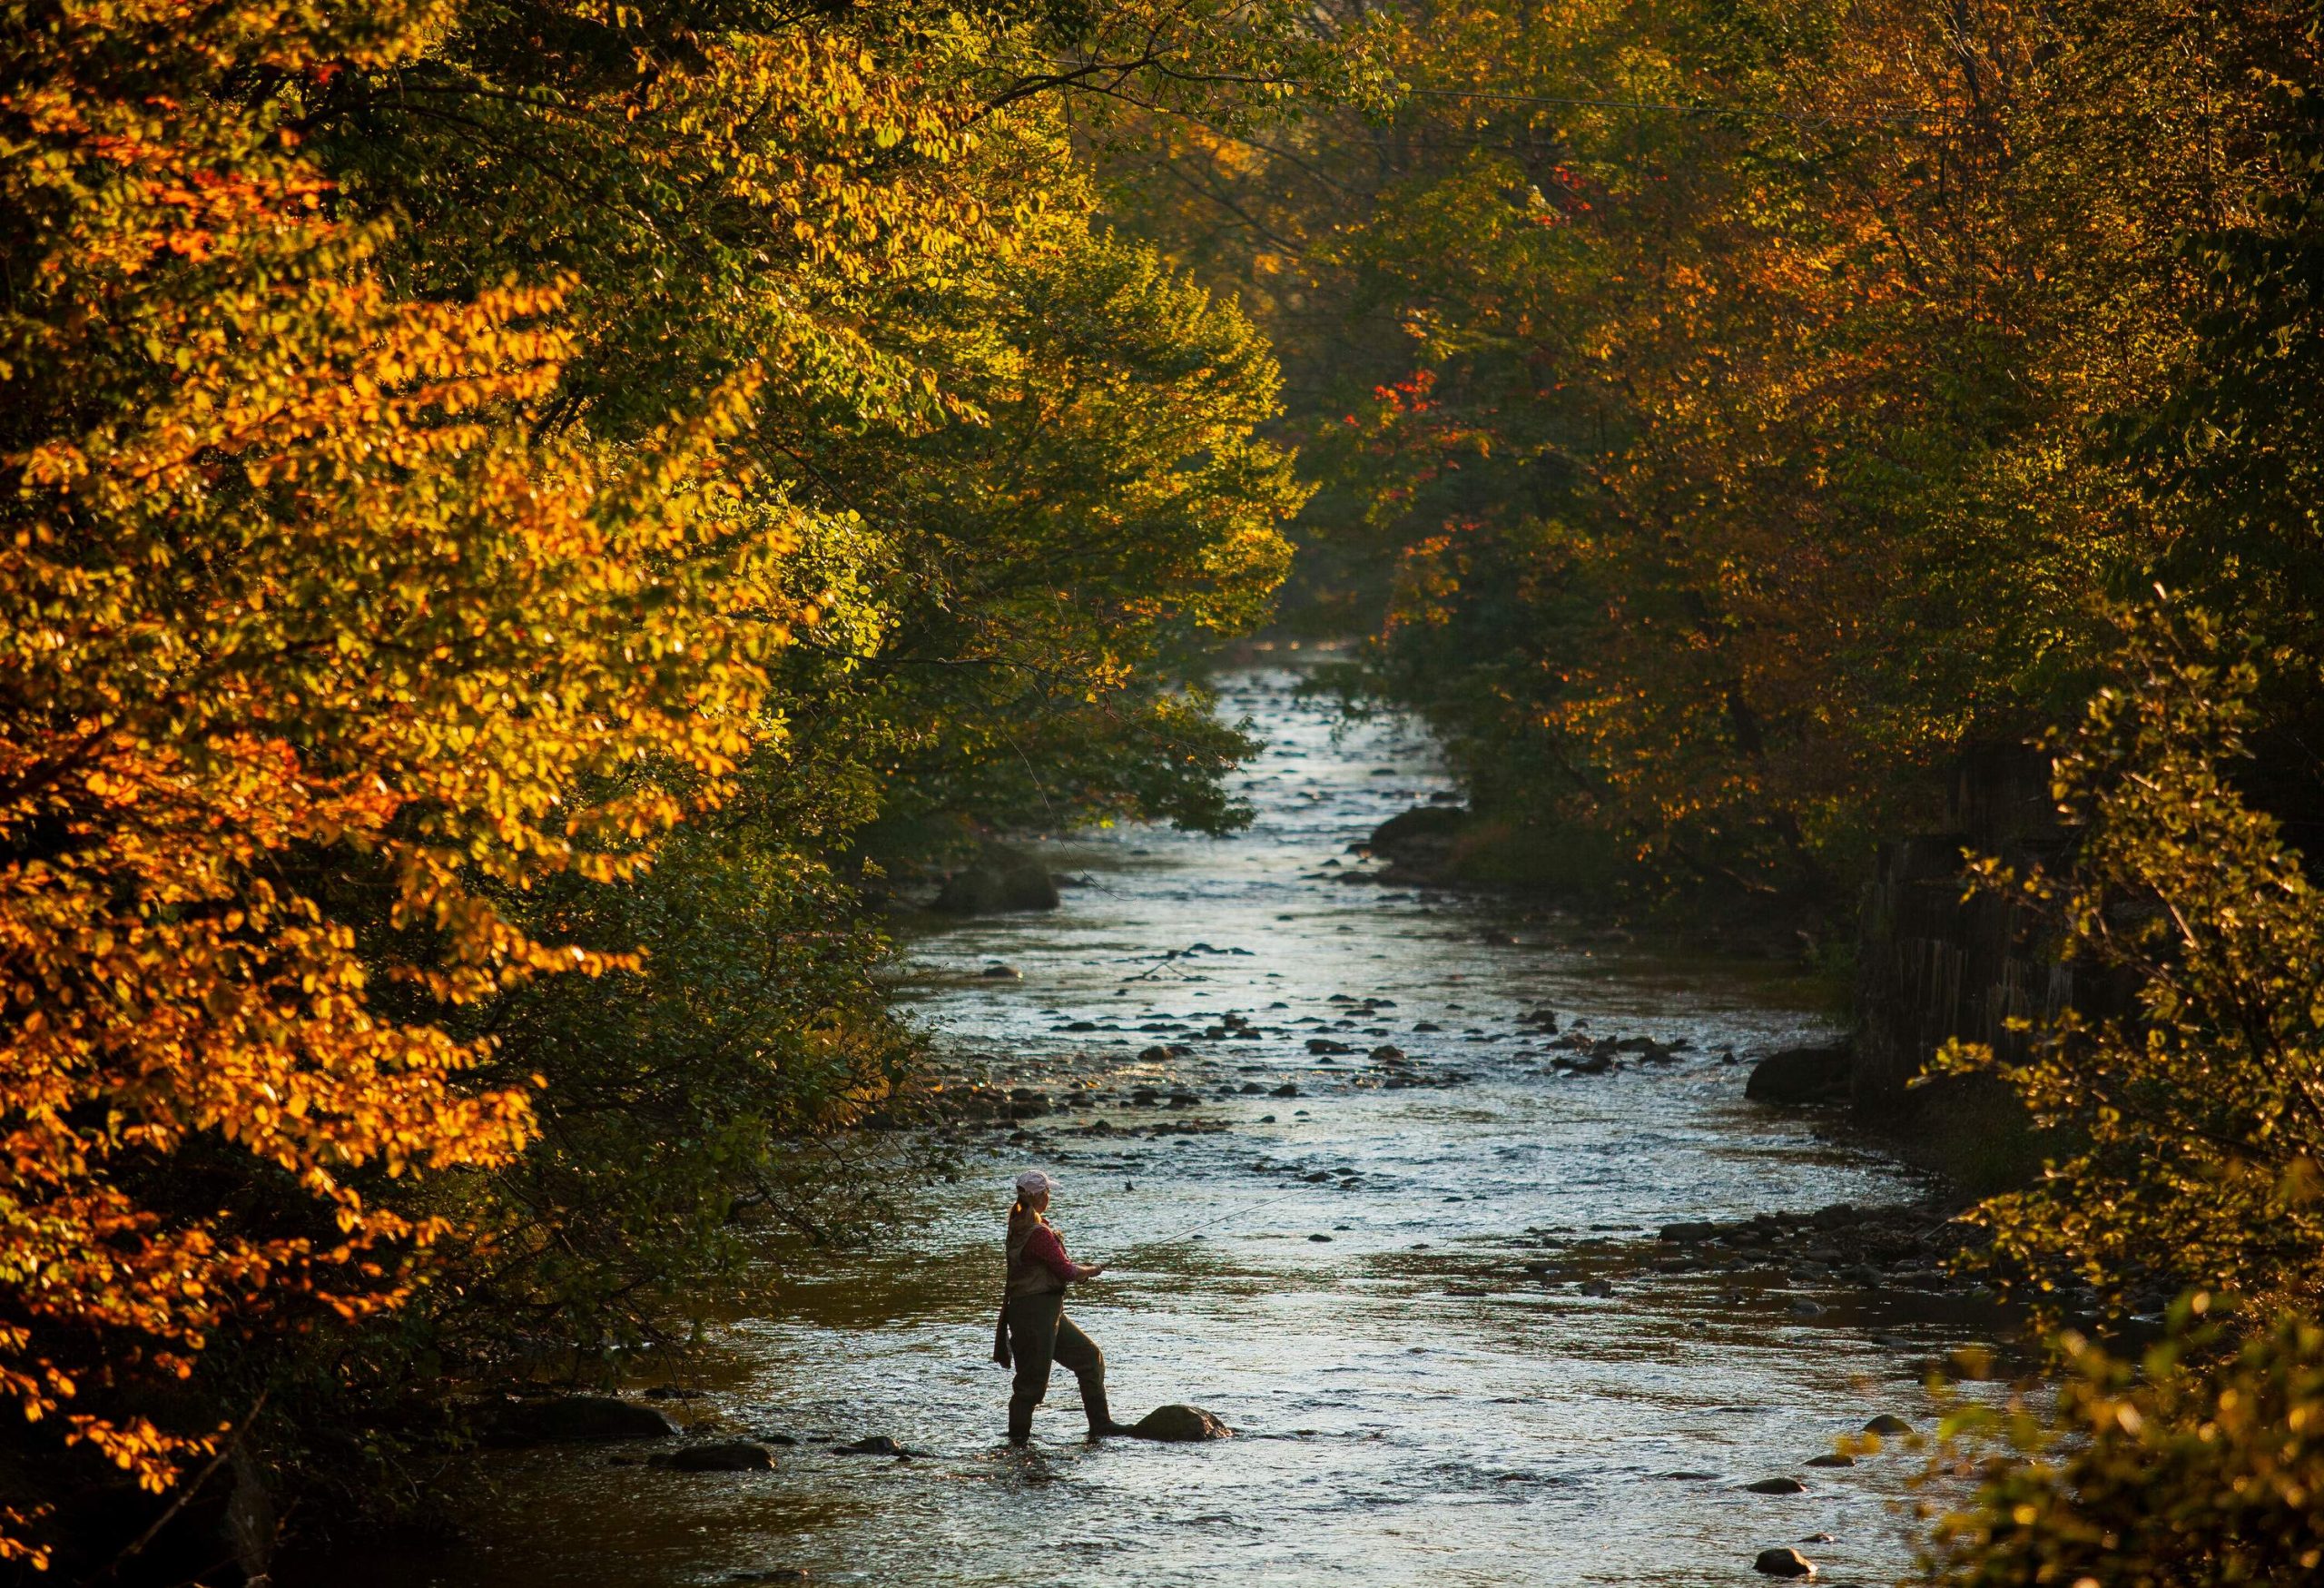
1033, 1324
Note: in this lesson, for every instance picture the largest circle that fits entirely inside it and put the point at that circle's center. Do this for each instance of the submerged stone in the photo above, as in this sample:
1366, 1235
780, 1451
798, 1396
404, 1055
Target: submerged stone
1783, 1562
1181, 1424
875, 1444
730, 1456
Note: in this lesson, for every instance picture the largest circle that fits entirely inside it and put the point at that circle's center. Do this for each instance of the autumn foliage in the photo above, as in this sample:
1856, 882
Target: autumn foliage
1727, 413
298, 605
448, 450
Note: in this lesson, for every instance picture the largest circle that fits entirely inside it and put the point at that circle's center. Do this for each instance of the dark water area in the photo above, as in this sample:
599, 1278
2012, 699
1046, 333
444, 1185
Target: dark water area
1411, 1404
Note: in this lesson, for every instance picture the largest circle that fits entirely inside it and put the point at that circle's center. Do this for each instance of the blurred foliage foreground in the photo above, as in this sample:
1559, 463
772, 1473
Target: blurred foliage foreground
510, 511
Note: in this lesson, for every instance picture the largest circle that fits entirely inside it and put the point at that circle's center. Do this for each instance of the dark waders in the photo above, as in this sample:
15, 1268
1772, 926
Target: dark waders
1040, 1334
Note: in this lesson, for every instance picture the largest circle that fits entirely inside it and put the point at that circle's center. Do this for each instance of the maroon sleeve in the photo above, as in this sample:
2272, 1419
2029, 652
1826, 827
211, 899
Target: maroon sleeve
1044, 1248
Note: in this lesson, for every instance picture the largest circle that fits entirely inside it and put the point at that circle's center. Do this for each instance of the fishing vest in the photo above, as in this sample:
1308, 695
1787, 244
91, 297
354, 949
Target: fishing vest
1026, 1276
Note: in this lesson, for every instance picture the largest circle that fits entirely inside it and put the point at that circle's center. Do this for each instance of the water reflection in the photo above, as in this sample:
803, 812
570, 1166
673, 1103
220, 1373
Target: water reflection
1413, 1405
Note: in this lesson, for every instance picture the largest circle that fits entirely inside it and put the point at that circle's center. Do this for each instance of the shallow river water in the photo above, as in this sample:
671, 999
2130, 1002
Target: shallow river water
1410, 1405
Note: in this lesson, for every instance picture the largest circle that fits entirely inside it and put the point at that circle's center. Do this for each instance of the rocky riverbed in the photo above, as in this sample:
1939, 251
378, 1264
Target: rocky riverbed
1455, 1215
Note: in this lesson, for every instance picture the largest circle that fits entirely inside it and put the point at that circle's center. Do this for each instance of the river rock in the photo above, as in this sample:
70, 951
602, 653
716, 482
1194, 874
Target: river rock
1831, 1458
1181, 1424
730, 1456
1687, 1231
1888, 1423
996, 885
1418, 844
1421, 824
1801, 1075
586, 1419
1783, 1562
875, 1444
1777, 1486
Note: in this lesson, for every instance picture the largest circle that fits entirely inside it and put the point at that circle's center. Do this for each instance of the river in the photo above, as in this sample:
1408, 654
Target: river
1411, 1406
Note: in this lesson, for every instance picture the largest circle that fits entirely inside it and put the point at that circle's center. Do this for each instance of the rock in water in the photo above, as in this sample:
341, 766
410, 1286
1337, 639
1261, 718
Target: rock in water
1783, 1562
1832, 1459
997, 885
877, 1444
588, 1418
734, 1455
1777, 1486
1888, 1423
1179, 1425
1801, 1075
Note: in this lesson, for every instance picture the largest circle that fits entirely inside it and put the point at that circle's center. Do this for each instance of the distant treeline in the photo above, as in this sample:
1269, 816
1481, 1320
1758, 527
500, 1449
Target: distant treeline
1727, 413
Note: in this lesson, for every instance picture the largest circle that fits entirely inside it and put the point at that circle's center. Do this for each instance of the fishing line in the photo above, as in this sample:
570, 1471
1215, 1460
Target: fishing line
1215, 1221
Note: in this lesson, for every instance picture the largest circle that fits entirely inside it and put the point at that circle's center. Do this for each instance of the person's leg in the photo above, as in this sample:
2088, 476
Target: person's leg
1078, 1353
1032, 1335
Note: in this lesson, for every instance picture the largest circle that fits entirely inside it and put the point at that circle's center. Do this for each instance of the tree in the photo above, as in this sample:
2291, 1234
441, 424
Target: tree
314, 642
430, 434
2194, 1115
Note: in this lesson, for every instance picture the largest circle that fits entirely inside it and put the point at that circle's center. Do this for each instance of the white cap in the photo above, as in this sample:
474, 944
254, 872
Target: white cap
1033, 1183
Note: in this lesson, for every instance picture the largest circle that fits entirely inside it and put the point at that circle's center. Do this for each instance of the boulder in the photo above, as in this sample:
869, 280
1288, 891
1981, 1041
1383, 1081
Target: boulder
1801, 1075
1777, 1486
1424, 823
1831, 1458
586, 1419
1783, 1562
1179, 1425
1888, 1423
996, 885
1688, 1230
730, 1456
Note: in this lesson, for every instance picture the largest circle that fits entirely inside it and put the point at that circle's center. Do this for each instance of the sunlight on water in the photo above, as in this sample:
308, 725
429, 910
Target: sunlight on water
1411, 1408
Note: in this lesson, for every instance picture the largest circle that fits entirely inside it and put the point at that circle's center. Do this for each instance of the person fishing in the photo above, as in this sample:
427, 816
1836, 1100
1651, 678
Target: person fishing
1033, 1327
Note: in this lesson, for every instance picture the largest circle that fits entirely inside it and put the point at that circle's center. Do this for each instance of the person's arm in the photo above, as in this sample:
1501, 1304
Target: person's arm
1048, 1250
